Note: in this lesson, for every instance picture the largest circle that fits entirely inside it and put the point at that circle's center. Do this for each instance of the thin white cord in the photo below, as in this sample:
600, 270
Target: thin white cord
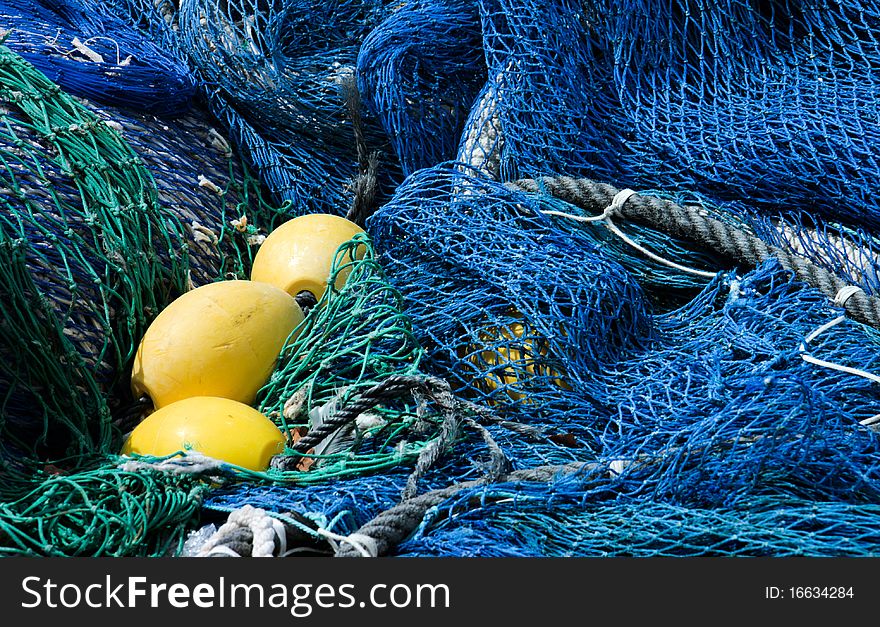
838, 367
820, 330
843, 295
616, 203
613, 228
119, 60
873, 423
571, 216
364, 544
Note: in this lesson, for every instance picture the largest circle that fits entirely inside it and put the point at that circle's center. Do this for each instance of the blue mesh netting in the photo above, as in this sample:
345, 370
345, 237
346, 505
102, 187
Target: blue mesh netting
599, 522
716, 436
419, 71
94, 54
766, 102
276, 73
737, 446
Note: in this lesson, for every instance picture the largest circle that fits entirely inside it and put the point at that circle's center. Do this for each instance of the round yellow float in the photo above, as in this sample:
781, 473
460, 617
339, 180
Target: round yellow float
220, 339
298, 255
219, 428
516, 360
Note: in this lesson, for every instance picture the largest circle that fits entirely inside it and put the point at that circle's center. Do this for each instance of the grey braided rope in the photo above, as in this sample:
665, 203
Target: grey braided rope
389, 388
365, 183
455, 413
690, 223
498, 461
240, 541
394, 525
433, 388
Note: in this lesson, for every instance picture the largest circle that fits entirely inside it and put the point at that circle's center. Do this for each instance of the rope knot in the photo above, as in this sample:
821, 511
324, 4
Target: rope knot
366, 546
617, 203
845, 293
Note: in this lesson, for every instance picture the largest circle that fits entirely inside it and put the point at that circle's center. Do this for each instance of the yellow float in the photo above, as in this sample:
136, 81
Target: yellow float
220, 339
519, 357
298, 255
219, 428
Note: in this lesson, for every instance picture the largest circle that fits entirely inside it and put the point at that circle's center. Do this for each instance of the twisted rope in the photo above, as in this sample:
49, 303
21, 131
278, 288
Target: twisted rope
394, 525
454, 410
693, 224
254, 532
390, 388
365, 184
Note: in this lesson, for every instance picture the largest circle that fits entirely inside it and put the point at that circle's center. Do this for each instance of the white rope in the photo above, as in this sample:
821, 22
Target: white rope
264, 527
617, 203
613, 228
843, 295
264, 537
364, 544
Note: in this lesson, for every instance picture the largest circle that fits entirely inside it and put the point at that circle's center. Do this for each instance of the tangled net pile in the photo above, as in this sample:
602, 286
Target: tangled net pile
528, 358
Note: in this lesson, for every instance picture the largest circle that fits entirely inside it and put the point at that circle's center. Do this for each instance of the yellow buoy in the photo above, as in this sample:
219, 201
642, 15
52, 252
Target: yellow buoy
298, 255
518, 359
217, 427
220, 339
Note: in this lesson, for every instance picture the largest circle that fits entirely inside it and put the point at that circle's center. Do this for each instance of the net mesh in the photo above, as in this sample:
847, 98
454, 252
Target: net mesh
92, 53
148, 147
87, 256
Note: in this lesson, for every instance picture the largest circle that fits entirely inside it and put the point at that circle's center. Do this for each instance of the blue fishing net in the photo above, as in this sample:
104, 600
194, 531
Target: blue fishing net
599, 521
716, 438
724, 409
90, 52
771, 103
418, 72
277, 75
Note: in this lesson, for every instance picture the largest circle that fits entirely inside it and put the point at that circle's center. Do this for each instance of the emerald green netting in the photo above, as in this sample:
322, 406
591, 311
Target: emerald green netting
88, 255
92, 248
